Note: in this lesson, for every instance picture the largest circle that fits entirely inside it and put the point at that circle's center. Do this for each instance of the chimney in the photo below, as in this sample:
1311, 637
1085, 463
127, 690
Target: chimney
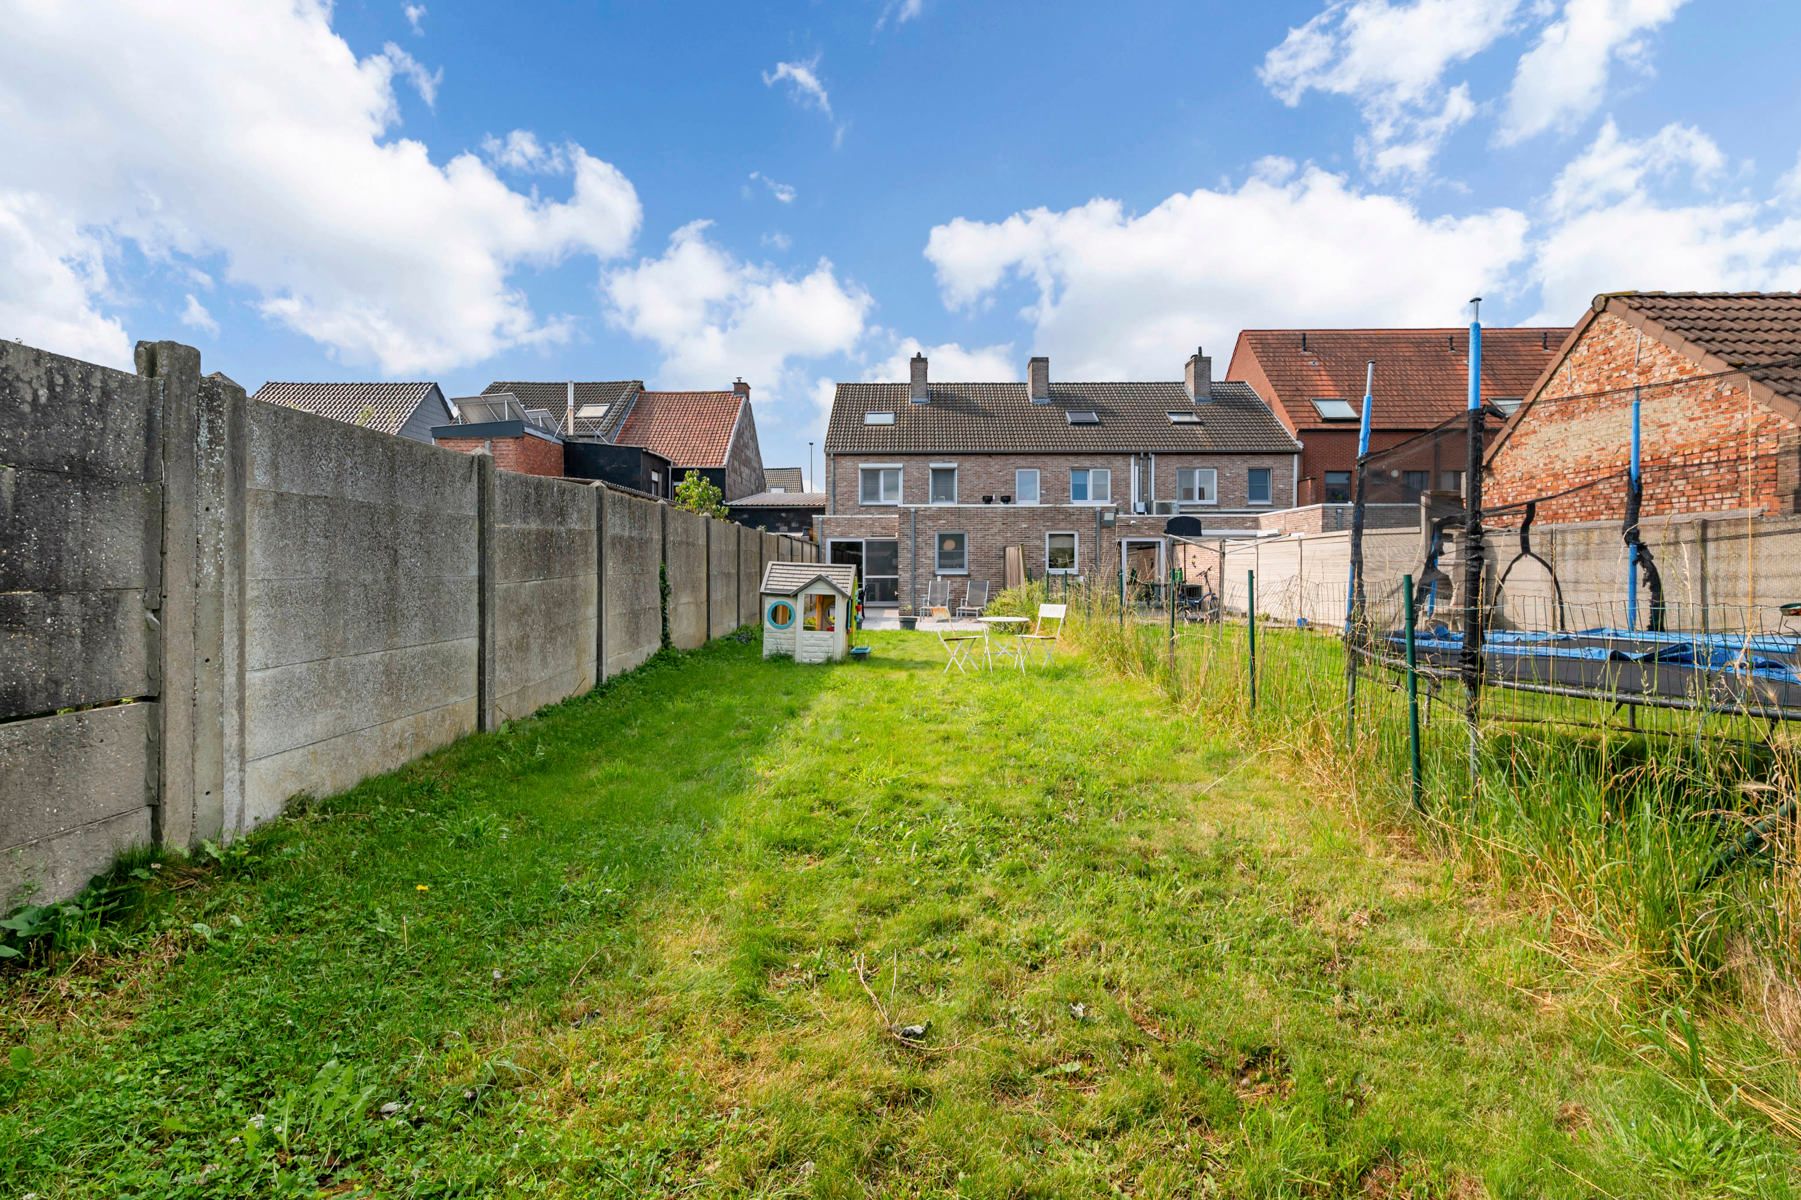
741, 387
917, 391
1038, 380
1198, 377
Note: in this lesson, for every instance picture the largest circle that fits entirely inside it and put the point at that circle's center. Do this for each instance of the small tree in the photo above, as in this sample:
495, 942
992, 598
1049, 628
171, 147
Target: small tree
697, 493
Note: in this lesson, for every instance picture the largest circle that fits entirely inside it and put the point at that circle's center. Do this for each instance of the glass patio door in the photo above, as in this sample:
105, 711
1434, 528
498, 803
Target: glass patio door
881, 571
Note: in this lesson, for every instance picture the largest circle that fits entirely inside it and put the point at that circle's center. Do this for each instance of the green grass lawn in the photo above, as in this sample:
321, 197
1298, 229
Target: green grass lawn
660, 940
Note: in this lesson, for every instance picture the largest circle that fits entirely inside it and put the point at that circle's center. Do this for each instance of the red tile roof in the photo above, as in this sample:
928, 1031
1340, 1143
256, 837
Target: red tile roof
1422, 375
690, 429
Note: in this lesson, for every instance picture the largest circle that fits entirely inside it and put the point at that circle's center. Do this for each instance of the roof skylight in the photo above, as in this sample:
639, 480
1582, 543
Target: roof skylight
879, 417
1334, 410
1184, 416
1083, 418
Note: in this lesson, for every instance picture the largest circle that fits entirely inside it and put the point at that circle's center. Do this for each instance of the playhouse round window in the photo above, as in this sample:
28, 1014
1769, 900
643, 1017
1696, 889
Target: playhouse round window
780, 614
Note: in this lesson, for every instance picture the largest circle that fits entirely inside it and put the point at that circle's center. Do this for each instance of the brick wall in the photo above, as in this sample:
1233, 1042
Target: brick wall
743, 460
981, 475
526, 455
1707, 447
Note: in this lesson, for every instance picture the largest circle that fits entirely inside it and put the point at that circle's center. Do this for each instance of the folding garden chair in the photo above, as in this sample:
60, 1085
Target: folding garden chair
975, 600
960, 649
1045, 640
938, 599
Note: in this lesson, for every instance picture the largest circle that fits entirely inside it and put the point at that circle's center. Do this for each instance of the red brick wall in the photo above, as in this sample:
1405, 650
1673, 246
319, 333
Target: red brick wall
981, 475
525, 454
1707, 447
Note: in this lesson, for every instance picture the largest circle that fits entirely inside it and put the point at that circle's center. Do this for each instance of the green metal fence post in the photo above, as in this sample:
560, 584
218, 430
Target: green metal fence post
1413, 698
1250, 585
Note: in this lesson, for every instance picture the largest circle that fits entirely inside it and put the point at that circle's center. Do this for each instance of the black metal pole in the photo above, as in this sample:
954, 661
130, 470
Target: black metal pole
1472, 549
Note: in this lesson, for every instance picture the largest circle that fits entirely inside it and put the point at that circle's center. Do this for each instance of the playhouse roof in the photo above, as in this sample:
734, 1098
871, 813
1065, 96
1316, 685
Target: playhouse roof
788, 578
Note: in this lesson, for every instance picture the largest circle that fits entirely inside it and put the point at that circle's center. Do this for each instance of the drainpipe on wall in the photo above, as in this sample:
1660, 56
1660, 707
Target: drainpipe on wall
1294, 481
913, 565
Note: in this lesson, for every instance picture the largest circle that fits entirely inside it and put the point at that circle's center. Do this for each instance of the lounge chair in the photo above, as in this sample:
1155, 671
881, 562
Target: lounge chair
975, 600
1047, 631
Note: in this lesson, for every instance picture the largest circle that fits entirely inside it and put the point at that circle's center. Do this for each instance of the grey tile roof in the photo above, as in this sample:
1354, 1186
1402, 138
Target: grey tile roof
786, 478
380, 406
979, 418
780, 500
786, 578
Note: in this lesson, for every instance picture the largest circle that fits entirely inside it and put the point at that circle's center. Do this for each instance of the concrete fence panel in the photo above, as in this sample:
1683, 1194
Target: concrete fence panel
546, 589
81, 510
750, 575
362, 605
633, 552
685, 561
722, 578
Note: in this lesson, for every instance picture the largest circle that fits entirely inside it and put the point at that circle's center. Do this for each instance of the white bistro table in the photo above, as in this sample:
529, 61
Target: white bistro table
1010, 628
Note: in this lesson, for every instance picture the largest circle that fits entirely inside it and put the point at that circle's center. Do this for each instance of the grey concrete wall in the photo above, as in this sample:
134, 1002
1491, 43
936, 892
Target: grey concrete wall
685, 561
210, 605
361, 605
80, 533
634, 557
546, 585
722, 578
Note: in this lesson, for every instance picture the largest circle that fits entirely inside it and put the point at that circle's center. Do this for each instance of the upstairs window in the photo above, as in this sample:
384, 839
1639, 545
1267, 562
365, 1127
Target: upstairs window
1197, 485
1257, 486
943, 485
1090, 485
1025, 485
1416, 481
880, 485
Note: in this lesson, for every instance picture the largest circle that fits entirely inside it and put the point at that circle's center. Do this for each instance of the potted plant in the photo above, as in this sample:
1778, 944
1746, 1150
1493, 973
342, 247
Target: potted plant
908, 618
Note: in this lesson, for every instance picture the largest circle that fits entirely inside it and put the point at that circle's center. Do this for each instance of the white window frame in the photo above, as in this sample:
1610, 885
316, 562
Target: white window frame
900, 484
1075, 557
956, 482
938, 567
1196, 472
1091, 472
1037, 486
1271, 490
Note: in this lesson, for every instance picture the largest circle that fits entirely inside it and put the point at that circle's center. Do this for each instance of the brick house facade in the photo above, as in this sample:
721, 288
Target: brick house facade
1313, 380
1720, 427
929, 481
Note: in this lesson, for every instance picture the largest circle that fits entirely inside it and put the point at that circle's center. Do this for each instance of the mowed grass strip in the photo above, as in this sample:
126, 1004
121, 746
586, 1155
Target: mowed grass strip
678, 936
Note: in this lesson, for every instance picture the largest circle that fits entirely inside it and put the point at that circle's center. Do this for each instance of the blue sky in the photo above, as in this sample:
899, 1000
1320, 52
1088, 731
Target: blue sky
801, 193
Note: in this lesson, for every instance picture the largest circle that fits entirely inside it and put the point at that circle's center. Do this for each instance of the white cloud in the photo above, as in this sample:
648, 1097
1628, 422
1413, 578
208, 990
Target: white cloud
405, 66
899, 12
521, 150
778, 241
341, 231
715, 316
783, 192
1563, 78
806, 89
947, 360
195, 316
1645, 214
50, 274
1119, 295
415, 16
1391, 59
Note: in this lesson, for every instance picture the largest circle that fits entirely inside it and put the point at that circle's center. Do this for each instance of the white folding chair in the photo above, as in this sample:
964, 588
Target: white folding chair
1046, 642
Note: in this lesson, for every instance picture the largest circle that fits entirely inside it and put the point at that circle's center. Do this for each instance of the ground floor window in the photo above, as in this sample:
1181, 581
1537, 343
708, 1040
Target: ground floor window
1256, 488
1416, 481
1060, 553
952, 551
1338, 487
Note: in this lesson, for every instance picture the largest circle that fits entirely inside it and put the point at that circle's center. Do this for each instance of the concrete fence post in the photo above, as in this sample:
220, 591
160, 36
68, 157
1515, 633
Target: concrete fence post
487, 567
174, 370
600, 584
221, 450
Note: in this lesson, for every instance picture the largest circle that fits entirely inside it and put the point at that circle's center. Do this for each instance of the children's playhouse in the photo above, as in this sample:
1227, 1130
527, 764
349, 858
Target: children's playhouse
807, 610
